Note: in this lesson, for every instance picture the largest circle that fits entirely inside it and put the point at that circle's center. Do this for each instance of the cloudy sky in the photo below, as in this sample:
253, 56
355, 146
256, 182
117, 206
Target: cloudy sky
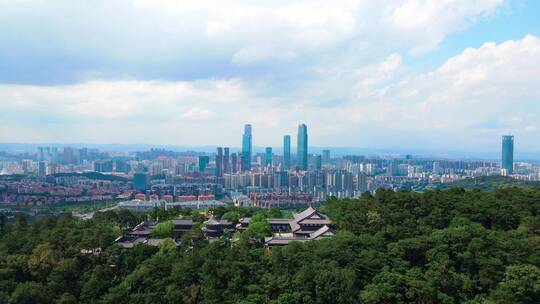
426, 74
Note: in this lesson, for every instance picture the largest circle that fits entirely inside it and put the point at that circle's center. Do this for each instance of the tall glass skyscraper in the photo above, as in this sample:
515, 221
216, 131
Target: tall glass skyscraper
268, 157
203, 162
234, 163
246, 148
326, 156
302, 147
226, 161
286, 152
508, 153
219, 162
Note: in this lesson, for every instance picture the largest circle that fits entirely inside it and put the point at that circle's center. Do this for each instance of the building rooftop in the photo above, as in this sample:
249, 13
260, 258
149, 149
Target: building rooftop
183, 222
324, 231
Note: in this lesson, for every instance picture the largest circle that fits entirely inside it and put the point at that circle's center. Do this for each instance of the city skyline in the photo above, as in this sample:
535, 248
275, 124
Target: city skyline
426, 80
246, 148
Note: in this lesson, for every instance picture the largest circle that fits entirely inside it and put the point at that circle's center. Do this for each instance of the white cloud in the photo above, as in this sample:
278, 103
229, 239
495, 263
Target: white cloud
256, 54
274, 64
130, 33
496, 83
426, 22
197, 113
468, 101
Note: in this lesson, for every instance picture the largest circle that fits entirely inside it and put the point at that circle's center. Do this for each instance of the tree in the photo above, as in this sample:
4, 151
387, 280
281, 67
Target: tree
3, 221
521, 284
64, 276
163, 230
451, 246
30, 293
42, 260
67, 298
96, 284
167, 246
274, 213
259, 226
232, 216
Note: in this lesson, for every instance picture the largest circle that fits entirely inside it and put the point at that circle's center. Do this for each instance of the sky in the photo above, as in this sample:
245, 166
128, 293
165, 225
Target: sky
398, 74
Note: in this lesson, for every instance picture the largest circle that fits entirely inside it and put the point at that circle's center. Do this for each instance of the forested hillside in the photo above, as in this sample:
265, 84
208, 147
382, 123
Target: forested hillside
489, 183
451, 246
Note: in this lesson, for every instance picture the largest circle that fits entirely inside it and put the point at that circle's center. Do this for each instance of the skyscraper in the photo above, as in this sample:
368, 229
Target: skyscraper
302, 147
219, 162
42, 168
286, 152
318, 162
268, 157
508, 153
141, 181
326, 156
68, 155
226, 162
41, 153
83, 155
203, 162
246, 148
234, 163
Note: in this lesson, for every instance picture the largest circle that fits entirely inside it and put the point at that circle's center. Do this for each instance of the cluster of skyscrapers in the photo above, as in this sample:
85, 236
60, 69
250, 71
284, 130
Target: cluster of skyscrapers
232, 163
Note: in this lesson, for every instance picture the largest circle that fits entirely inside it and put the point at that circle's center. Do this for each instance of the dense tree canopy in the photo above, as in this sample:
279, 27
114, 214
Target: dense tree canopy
451, 246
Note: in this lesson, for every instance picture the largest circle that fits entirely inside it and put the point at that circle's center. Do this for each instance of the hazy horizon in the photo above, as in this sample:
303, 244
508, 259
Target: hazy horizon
335, 150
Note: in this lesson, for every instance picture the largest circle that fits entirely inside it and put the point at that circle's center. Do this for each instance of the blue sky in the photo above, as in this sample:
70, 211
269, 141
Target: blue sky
420, 74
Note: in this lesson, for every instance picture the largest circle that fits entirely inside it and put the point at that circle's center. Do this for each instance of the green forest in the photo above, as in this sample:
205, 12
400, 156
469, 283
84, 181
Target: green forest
443, 246
489, 183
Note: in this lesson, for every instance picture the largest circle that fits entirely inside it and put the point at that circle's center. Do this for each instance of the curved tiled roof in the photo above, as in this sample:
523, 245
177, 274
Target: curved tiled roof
321, 231
212, 221
302, 215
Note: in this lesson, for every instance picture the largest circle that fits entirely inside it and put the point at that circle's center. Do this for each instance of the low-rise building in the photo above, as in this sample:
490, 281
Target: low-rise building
281, 239
307, 225
214, 228
182, 226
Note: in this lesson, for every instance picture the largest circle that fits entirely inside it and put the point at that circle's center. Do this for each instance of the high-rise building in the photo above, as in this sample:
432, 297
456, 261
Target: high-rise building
436, 167
42, 168
234, 163
226, 162
268, 156
26, 165
68, 156
219, 162
302, 148
41, 153
122, 166
326, 156
141, 181
246, 148
203, 162
286, 152
318, 162
508, 153
103, 165
391, 169
361, 183
54, 155
83, 155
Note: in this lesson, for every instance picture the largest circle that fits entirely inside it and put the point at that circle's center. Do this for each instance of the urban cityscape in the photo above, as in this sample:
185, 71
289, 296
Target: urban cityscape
266, 179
